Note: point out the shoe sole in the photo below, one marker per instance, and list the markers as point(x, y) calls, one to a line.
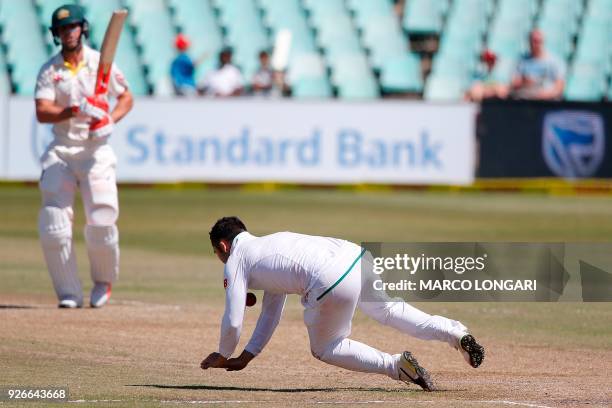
point(60, 306)
point(475, 350)
point(424, 380)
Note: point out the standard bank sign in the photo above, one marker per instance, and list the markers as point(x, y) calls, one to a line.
point(254, 141)
point(573, 143)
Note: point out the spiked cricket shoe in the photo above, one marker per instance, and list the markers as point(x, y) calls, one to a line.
point(411, 372)
point(473, 352)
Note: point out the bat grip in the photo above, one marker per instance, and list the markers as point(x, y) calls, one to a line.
point(102, 82)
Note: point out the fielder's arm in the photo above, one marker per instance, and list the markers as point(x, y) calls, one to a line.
point(235, 292)
point(271, 311)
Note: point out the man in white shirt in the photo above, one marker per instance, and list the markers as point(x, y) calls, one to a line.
point(326, 273)
point(226, 80)
point(79, 156)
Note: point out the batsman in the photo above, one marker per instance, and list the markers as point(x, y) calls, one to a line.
point(326, 273)
point(79, 157)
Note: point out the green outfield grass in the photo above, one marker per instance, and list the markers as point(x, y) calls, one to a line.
point(169, 298)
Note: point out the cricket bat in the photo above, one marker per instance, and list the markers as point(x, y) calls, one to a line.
point(107, 52)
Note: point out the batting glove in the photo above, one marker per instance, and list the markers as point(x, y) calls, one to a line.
point(94, 107)
point(101, 128)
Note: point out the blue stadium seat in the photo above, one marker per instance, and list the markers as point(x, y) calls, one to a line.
point(401, 74)
point(244, 32)
point(443, 89)
point(383, 38)
point(353, 77)
point(325, 10)
point(288, 14)
point(154, 34)
point(307, 65)
point(424, 16)
point(584, 88)
point(504, 69)
point(453, 66)
point(25, 44)
point(196, 19)
point(365, 11)
point(5, 82)
point(307, 88)
point(600, 10)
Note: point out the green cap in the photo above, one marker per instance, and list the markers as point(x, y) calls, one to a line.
point(67, 14)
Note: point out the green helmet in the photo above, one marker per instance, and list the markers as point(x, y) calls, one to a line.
point(65, 15)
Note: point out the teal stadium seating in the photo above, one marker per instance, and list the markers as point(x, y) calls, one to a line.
point(308, 77)
point(127, 58)
point(343, 48)
point(5, 84)
point(244, 32)
point(425, 16)
point(155, 36)
point(24, 42)
point(196, 19)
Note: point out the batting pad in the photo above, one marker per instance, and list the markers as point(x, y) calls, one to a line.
point(55, 230)
point(103, 251)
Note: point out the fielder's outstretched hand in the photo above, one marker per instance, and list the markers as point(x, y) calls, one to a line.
point(240, 362)
point(214, 360)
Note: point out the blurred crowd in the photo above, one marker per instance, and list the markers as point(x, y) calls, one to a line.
point(537, 76)
point(226, 80)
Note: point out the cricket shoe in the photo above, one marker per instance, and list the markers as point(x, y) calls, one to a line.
point(411, 372)
point(473, 352)
point(100, 294)
point(69, 303)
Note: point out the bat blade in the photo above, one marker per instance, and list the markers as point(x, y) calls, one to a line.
point(108, 49)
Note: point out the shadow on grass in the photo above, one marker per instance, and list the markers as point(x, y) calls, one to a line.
point(261, 389)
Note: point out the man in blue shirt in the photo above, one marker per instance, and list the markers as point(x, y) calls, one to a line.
point(183, 69)
point(538, 74)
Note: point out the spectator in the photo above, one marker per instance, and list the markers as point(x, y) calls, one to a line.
point(484, 85)
point(226, 80)
point(262, 79)
point(538, 74)
point(183, 68)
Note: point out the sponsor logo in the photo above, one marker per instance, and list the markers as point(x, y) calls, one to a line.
point(63, 13)
point(573, 143)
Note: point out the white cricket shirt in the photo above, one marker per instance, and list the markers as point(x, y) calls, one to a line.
point(65, 85)
point(223, 81)
point(279, 264)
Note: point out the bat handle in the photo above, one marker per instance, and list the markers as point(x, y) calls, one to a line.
point(102, 82)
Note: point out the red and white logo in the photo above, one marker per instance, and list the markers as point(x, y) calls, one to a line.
point(225, 283)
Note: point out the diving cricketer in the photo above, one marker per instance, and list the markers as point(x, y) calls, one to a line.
point(79, 156)
point(326, 273)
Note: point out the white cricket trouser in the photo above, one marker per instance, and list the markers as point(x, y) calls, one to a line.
point(329, 321)
point(92, 169)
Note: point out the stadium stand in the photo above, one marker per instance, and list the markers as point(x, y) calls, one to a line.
point(344, 48)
